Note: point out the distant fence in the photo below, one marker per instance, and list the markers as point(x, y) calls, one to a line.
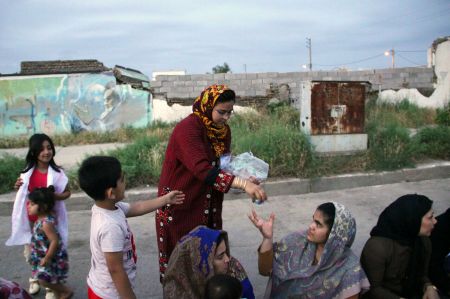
point(261, 87)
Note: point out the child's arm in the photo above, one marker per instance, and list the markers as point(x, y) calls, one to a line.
point(114, 262)
point(18, 183)
point(52, 236)
point(149, 205)
point(64, 195)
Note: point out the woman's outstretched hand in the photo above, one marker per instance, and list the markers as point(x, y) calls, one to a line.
point(264, 226)
point(254, 180)
point(255, 191)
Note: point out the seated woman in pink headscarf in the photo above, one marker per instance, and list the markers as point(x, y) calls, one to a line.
point(316, 263)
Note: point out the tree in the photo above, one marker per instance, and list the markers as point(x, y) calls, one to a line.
point(221, 68)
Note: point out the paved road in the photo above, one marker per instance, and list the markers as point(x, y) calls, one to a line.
point(292, 211)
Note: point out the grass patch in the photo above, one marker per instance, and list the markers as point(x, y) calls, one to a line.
point(390, 147)
point(338, 164)
point(403, 114)
point(443, 116)
point(274, 137)
point(434, 142)
point(10, 168)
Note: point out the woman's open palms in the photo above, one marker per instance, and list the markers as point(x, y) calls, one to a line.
point(264, 226)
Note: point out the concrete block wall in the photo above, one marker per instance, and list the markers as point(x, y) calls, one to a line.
point(258, 87)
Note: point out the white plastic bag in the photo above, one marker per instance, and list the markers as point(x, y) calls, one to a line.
point(246, 165)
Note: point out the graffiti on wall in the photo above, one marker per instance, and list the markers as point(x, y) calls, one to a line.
point(58, 104)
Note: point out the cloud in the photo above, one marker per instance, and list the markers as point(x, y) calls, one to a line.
point(196, 35)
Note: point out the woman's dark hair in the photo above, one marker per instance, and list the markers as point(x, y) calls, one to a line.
point(222, 286)
point(329, 211)
point(35, 148)
point(227, 96)
point(222, 237)
point(44, 197)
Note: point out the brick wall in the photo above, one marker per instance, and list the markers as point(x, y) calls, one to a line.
point(260, 87)
point(61, 67)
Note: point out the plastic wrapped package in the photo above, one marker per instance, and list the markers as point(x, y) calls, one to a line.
point(245, 165)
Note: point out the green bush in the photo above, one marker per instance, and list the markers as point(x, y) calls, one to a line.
point(390, 147)
point(435, 142)
point(443, 116)
point(275, 138)
point(142, 160)
point(10, 168)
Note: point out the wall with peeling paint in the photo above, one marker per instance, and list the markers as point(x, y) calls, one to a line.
point(70, 103)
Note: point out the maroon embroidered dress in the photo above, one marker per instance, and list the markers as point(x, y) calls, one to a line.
point(191, 166)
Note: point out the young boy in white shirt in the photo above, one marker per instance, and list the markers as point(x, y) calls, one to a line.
point(113, 262)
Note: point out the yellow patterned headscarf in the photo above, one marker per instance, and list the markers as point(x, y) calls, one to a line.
point(202, 107)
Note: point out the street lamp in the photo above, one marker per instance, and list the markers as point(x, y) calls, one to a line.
point(391, 53)
point(308, 46)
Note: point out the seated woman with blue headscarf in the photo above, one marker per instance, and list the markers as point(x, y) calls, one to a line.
point(198, 256)
point(313, 263)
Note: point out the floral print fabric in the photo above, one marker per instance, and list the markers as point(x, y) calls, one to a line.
point(57, 270)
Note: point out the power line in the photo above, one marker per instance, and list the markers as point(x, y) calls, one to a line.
point(410, 61)
point(411, 51)
point(352, 62)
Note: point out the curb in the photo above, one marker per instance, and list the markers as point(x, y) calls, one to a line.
point(290, 186)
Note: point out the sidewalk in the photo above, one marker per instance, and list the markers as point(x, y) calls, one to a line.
point(68, 156)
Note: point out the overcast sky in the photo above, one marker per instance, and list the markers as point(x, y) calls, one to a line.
point(257, 35)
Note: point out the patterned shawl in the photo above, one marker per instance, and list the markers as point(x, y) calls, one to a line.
point(338, 274)
point(202, 107)
point(191, 265)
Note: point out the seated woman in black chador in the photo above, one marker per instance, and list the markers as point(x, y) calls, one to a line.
point(397, 254)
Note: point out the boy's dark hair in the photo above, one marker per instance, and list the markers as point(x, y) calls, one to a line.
point(227, 96)
point(222, 286)
point(97, 174)
point(44, 197)
point(35, 148)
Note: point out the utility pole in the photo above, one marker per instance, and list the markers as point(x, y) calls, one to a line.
point(308, 45)
point(391, 53)
point(393, 58)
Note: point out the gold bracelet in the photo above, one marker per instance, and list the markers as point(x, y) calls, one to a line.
point(238, 182)
point(245, 185)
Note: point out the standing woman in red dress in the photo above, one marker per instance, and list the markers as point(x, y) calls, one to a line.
point(192, 165)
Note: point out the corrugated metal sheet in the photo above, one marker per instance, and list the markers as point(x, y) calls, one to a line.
point(337, 107)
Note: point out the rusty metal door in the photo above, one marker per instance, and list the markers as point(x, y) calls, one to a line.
point(337, 107)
